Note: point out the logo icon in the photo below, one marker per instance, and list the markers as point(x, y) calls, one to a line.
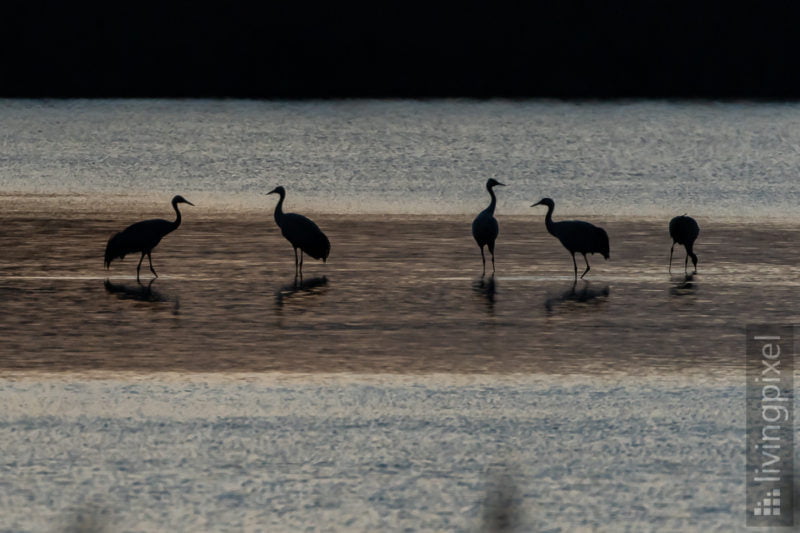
point(769, 506)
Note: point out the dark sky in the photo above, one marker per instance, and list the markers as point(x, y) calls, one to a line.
point(547, 49)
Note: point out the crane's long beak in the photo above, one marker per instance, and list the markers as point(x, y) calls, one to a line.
point(501, 184)
point(188, 202)
point(273, 191)
point(537, 203)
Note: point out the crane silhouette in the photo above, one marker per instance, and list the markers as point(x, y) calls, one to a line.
point(684, 230)
point(301, 232)
point(484, 227)
point(576, 236)
point(143, 237)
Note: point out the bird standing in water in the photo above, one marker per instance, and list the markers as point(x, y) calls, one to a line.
point(484, 227)
point(301, 232)
point(576, 236)
point(143, 237)
point(684, 230)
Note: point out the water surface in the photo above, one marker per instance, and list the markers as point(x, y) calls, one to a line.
point(639, 158)
point(399, 294)
point(390, 388)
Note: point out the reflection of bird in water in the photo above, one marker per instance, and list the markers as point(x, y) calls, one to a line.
point(684, 287)
point(684, 230)
point(298, 287)
point(301, 232)
point(484, 227)
point(144, 293)
point(576, 236)
point(486, 288)
point(584, 295)
point(143, 237)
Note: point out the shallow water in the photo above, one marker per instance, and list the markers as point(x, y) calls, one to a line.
point(370, 453)
point(391, 387)
point(639, 158)
point(399, 294)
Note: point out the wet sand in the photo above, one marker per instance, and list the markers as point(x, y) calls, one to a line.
point(400, 294)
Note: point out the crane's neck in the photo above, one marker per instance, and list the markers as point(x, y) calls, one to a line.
point(493, 203)
point(548, 218)
point(178, 215)
point(279, 209)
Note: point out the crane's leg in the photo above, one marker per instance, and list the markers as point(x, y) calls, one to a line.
point(150, 259)
point(670, 257)
point(574, 264)
point(295, 262)
point(686, 263)
point(139, 266)
point(491, 249)
point(690, 253)
point(301, 265)
point(483, 258)
point(587, 266)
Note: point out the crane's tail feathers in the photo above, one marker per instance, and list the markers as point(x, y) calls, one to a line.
point(602, 241)
point(115, 249)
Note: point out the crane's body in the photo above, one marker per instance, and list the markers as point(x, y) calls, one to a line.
point(577, 236)
point(301, 232)
point(684, 231)
point(142, 237)
point(485, 228)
